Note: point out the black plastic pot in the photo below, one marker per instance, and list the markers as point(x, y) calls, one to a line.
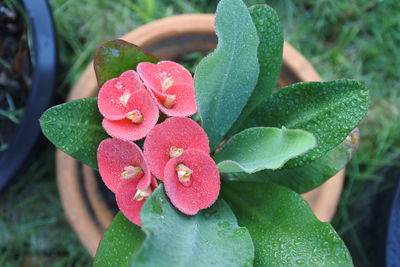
point(374, 237)
point(41, 92)
point(393, 233)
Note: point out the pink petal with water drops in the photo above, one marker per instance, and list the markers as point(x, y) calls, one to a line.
point(125, 128)
point(116, 157)
point(154, 75)
point(172, 86)
point(115, 94)
point(127, 204)
point(179, 134)
point(202, 187)
point(127, 201)
point(184, 101)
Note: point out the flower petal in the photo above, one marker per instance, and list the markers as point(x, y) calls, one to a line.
point(204, 182)
point(154, 75)
point(126, 202)
point(114, 155)
point(167, 78)
point(125, 197)
point(125, 128)
point(115, 93)
point(176, 132)
point(185, 101)
point(154, 182)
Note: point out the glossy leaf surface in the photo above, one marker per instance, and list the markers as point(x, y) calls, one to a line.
point(260, 148)
point(119, 243)
point(285, 231)
point(305, 178)
point(117, 56)
point(225, 79)
point(270, 52)
point(210, 238)
point(329, 110)
point(75, 128)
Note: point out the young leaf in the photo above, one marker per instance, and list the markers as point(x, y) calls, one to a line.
point(285, 232)
point(75, 128)
point(210, 238)
point(305, 178)
point(117, 56)
point(225, 79)
point(119, 243)
point(329, 110)
point(260, 148)
point(269, 57)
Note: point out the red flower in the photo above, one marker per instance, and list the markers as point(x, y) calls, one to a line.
point(124, 170)
point(170, 139)
point(192, 181)
point(130, 200)
point(114, 95)
point(120, 160)
point(138, 121)
point(172, 86)
point(176, 150)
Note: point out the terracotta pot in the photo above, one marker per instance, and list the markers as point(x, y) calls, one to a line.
point(84, 200)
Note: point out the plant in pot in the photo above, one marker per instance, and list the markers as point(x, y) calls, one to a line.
point(208, 171)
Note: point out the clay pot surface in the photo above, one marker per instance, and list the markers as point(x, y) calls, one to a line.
point(84, 201)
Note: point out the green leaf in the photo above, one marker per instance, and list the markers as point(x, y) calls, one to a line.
point(209, 238)
point(117, 56)
point(119, 243)
point(303, 179)
point(75, 128)
point(285, 232)
point(225, 79)
point(260, 148)
point(270, 52)
point(329, 110)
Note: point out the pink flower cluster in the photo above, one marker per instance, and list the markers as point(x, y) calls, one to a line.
point(176, 151)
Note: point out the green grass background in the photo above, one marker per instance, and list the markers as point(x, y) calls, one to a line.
point(342, 38)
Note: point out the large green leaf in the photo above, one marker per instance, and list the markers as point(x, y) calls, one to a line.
point(225, 79)
point(303, 179)
point(329, 110)
point(75, 128)
point(260, 148)
point(210, 238)
point(285, 232)
point(119, 243)
point(117, 56)
point(269, 57)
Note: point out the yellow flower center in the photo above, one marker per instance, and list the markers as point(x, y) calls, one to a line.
point(175, 152)
point(135, 116)
point(142, 194)
point(183, 172)
point(132, 172)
